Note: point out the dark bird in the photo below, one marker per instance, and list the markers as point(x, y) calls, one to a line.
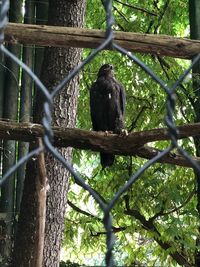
point(107, 105)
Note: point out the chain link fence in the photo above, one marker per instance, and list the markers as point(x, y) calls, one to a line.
point(47, 119)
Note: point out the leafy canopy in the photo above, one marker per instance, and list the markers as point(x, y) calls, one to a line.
point(164, 196)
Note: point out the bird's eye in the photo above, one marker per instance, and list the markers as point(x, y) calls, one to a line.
point(111, 67)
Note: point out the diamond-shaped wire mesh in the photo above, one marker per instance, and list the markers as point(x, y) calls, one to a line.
point(48, 105)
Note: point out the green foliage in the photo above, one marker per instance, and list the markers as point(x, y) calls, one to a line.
point(165, 194)
point(68, 264)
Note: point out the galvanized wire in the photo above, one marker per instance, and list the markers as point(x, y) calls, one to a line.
point(47, 119)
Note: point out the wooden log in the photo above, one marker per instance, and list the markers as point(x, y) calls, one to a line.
point(134, 144)
point(55, 36)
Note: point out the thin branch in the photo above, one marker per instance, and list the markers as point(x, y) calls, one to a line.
point(120, 13)
point(74, 207)
point(115, 229)
point(134, 122)
point(182, 106)
point(185, 91)
point(161, 16)
point(137, 8)
point(120, 26)
point(162, 213)
point(163, 64)
point(149, 226)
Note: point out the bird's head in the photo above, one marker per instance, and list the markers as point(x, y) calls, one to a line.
point(106, 69)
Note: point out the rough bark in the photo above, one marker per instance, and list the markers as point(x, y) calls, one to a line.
point(56, 65)
point(43, 35)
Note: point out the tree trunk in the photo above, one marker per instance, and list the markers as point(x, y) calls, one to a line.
point(56, 65)
point(194, 13)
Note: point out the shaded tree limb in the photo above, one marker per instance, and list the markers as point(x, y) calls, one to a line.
point(134, 144)
point(149, 226)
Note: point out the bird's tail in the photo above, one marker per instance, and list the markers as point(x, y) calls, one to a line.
point(107, 159)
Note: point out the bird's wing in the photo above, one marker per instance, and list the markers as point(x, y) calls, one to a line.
point(93, 106)
point(122, 98)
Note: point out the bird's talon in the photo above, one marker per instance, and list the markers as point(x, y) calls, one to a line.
point(123, 132)
point(108, 132)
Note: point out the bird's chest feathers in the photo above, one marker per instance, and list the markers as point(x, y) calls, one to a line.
point(109, 95)
point(107, 91)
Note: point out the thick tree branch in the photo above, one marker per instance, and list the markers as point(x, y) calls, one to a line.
point(55, 36)
point(134, 144)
